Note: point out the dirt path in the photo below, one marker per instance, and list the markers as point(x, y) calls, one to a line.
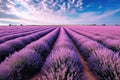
point(88, 73)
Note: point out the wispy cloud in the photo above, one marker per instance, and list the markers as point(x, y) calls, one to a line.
point(4, 15)
point(39, 11)
point(92, 17)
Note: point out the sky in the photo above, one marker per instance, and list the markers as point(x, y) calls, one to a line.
point(59, 12)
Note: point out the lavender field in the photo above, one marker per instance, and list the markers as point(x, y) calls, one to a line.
point(60, 53)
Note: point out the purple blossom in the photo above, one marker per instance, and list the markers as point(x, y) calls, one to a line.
point(17, 44)
point(105, 64)
point(20, 65)
point(102, 61)
point(27, 61)
point(63, 62)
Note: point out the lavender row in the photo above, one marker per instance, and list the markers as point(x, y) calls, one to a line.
point(96, 33)
point(29, 60)
point(63, 63)
point(13, 36)
point(17, 44)
point(103, 31)
point(18, 31)
point(113, 44)
point(12, 29)
point(102, 61)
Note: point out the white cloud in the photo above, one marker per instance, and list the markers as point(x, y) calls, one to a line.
point(37, 15)
point(47, 18)
point(3, 24)
point(93, 17)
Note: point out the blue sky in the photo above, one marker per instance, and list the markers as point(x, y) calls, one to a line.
point(45, 12)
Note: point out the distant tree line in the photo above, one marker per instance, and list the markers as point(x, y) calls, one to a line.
point(15, 25)
point(61, 25)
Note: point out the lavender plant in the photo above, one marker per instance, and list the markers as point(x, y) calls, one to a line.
point(105, 64)
point(109, 41)
point(63, 62)
point(11, 46)
point(27, 61)
point(20, 65)
point(113, 44)
point(102, 61)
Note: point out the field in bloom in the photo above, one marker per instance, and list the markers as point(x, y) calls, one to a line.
point(60, 53)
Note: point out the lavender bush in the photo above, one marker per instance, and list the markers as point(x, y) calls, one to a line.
point(41, 48)
point(113, 44)
point(5, 50)
point(89, 46)
point(102, 61)
point(109, 41)
point(105, 64)
point(8, 31)
point(20, 65)
point(27, 61)
point(27, 52)
point(11, 46)
point(63, 62)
